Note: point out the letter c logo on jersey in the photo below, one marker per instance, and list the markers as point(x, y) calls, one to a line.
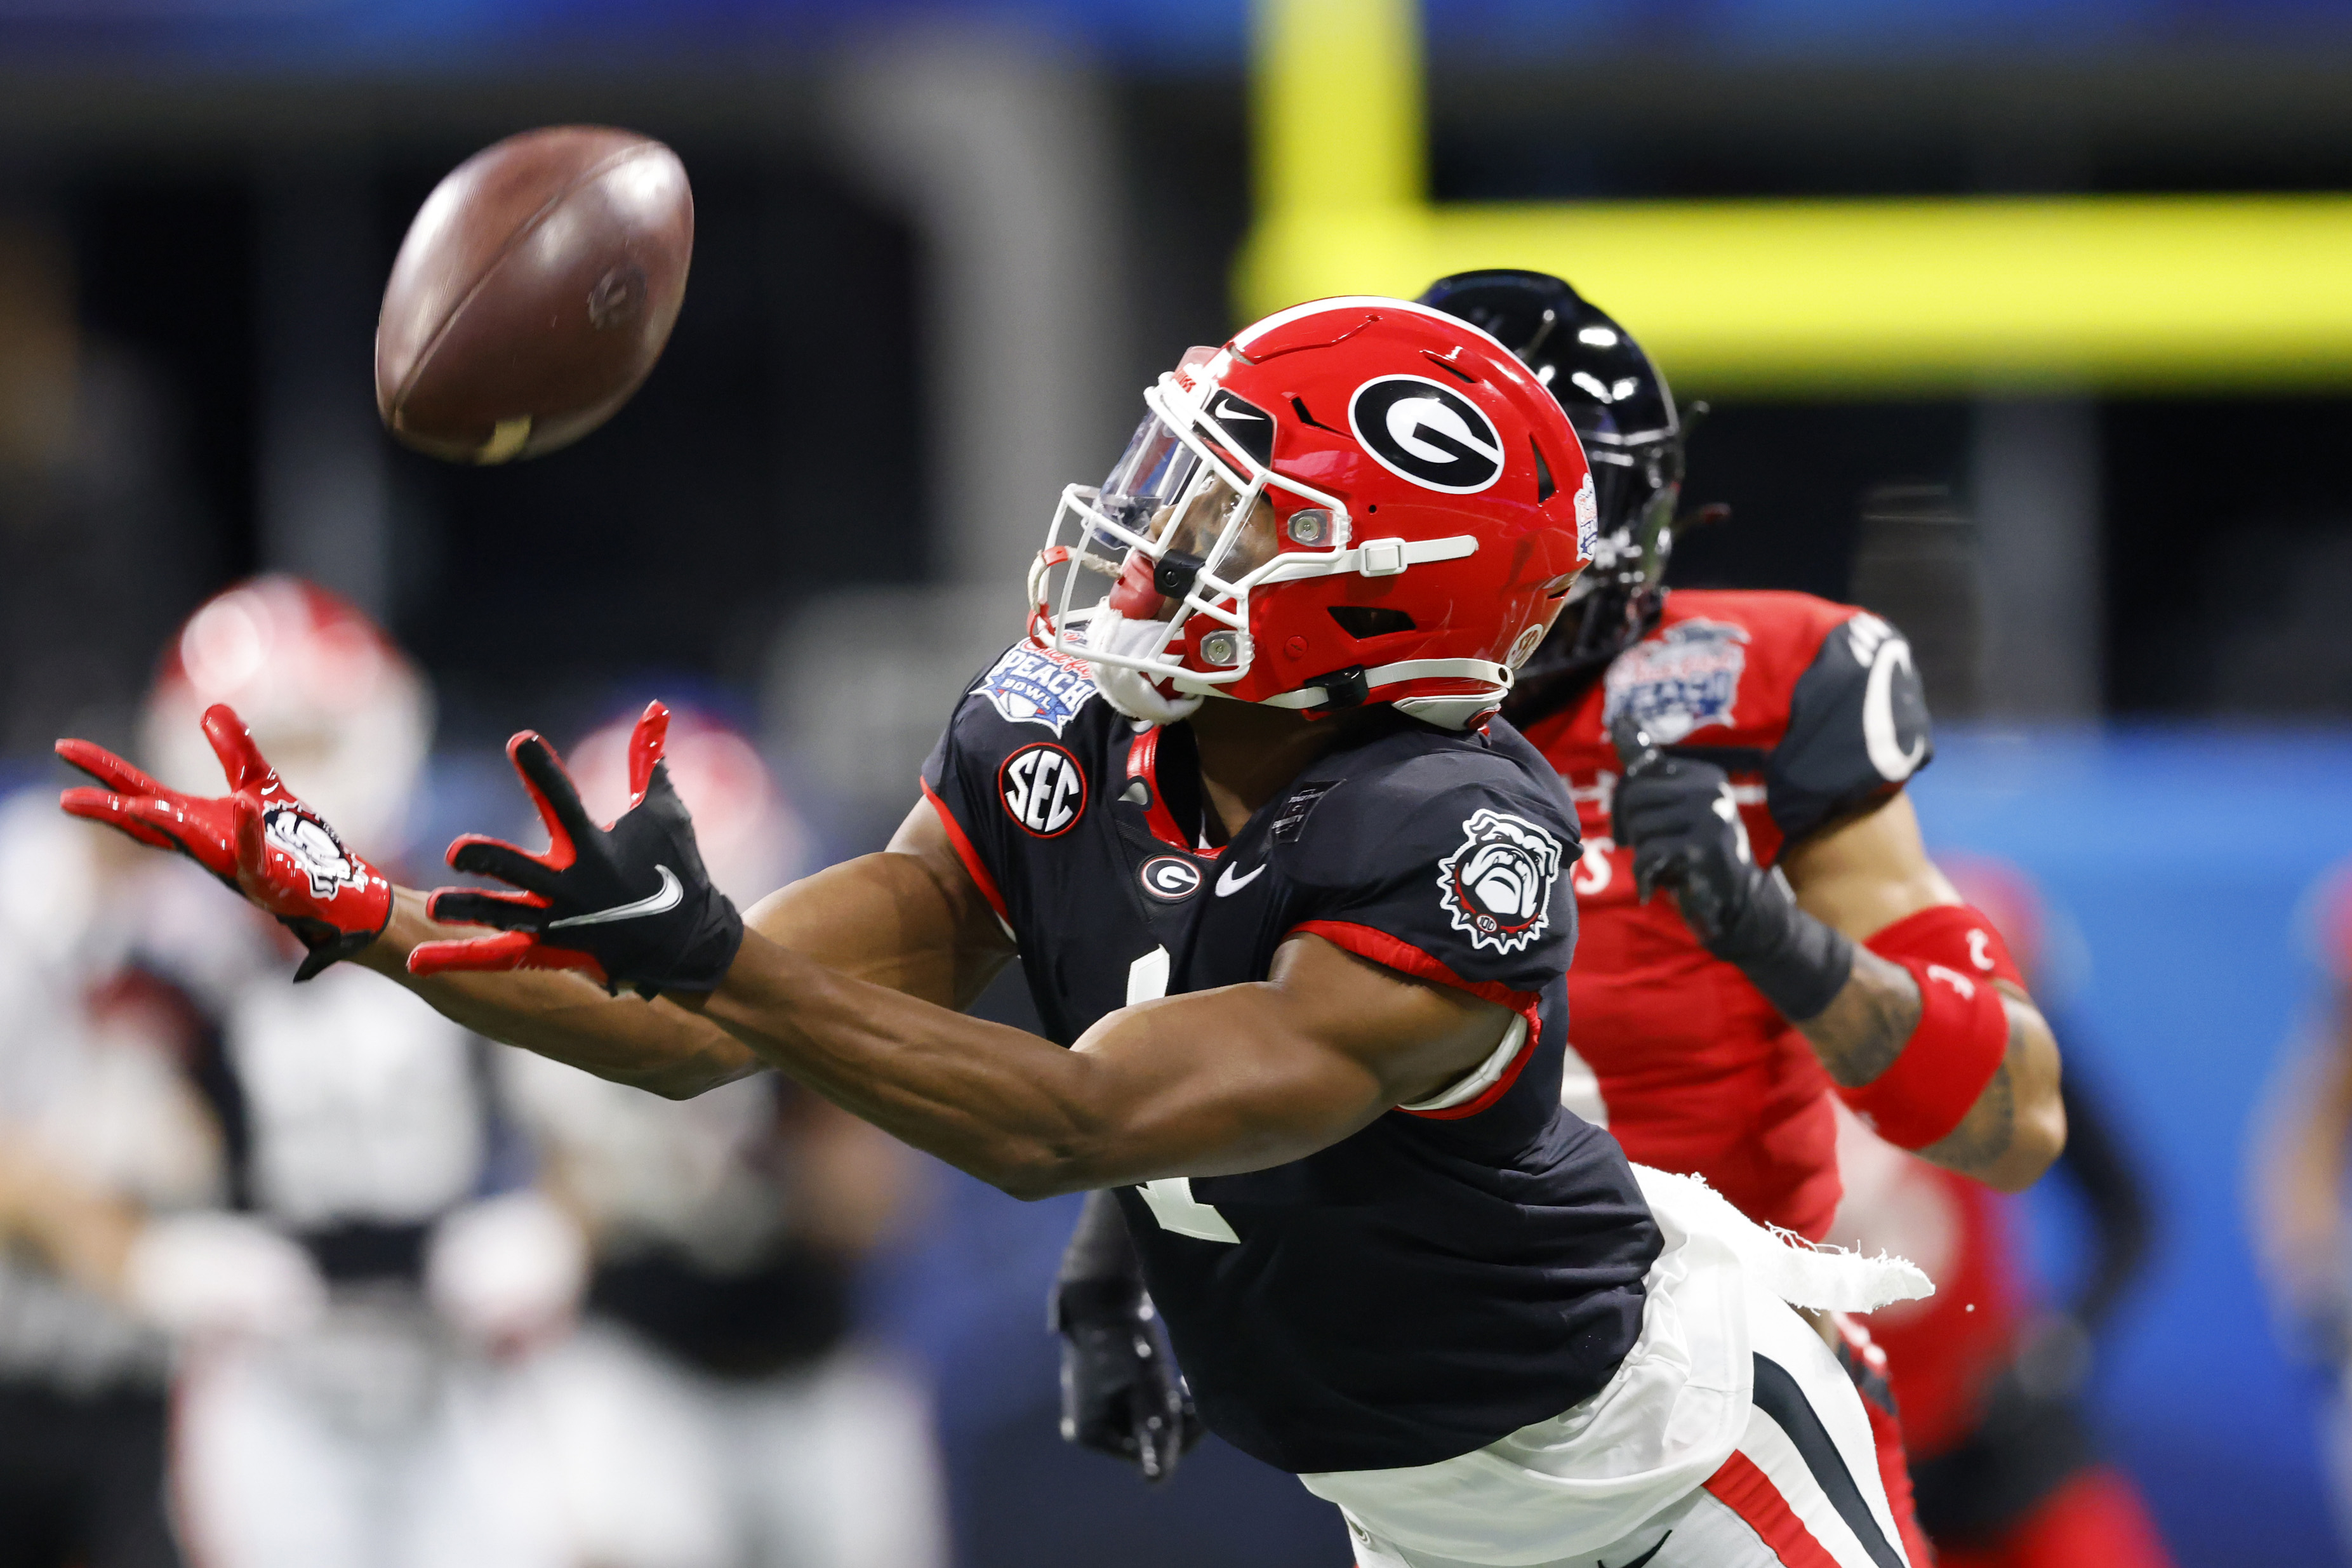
point(1498, 885)
point(1428, 433)
point(1044, 789)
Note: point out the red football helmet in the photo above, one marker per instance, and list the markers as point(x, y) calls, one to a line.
point(331, 700)
point(1356, 499)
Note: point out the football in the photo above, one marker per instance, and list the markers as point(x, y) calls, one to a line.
point(533, 293)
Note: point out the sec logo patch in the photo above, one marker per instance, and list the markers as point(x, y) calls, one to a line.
point(1171, 879)
point(1044, 789)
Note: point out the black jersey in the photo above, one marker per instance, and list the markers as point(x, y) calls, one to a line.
point(1447, 1275)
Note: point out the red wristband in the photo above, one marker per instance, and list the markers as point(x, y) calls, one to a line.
point(1959, 936)
point(1963, 1035)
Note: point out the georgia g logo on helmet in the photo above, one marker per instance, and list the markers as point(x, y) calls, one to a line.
point(1428, 433)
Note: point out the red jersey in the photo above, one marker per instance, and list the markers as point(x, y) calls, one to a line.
point(1813, 709)
point(1943, 1349)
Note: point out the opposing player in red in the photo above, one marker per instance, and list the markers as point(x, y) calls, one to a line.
point(1745, 752)
point(1288, 898)
point(2008, 1469)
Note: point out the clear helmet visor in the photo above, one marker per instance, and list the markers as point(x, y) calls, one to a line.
point(1169, 524)
point(1149, 575)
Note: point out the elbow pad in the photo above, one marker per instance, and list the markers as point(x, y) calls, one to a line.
point(1954, 955)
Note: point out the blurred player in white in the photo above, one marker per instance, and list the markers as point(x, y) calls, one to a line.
point(101, 1136)
point(356, 1126)
point(715, 1409)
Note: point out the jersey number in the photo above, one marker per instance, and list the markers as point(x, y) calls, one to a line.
point(1170, 1197)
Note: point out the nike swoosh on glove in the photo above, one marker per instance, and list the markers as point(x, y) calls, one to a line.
point(259, 839)
point(1121, 1394)
point(627, 903)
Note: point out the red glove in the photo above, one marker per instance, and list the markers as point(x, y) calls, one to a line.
point(259, 839)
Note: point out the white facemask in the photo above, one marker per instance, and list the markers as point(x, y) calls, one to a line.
point(1131, 691)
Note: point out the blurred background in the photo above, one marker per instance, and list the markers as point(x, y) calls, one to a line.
point(2027, 326)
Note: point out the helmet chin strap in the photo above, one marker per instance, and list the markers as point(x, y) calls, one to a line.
point(1138, 695)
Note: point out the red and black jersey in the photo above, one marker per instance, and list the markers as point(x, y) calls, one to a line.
point(1454, 1270)
point(1813, 709)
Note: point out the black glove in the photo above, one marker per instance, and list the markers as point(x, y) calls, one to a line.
point(1684, 825)
point(1121, 1394)
point(629, 903)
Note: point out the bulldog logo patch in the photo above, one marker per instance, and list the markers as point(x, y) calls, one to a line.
point(1685, 678)
point(312, 845)
point(1496, 888)
point(1036, 686)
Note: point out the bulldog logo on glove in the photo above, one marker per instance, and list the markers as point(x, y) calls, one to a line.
point(296, 830)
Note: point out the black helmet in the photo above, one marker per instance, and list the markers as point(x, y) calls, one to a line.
point(1624, 414)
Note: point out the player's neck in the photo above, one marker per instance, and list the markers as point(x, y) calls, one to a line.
point(1250, 752)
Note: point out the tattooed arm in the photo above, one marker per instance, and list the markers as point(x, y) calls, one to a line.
point(1943, 1055)
point(1861, 876)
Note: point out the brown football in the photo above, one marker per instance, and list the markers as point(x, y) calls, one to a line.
point(533, 293)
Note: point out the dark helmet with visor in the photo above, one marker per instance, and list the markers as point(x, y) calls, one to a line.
point(1624, 415)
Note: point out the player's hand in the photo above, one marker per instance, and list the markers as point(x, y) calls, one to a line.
point(1121, 1394)
point(259, 839)
point(627, 903)
point(1682, 823)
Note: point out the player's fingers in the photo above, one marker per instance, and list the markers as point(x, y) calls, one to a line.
point(252, 847)
point(107, 768)
point(1635, 748)
point(503, 951)
point(1156, 1432)
point(1641, 820)
point(207, 840)
point(112, 810)
point(646, 743)
point(554, 794)
point(477, 855)
point(474, 907)
point(233, 743)
point(1655, 865)
point(510, 949)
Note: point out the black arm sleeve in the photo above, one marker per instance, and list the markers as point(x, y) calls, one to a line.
point(1100, 1261)
point(1857, 730)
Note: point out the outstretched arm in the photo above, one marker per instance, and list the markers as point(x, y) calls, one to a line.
point(908, 919)
point(1206, 1084)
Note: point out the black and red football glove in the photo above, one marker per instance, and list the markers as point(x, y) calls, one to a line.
point(1121, 1394)
point(1682, 823)
point(259, 839)
point(627, 903)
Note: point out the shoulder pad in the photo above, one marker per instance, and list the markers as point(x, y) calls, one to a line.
point(1400, 819)
point(1858, 727)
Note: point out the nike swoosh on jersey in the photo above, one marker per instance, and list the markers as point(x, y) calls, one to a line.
point(1228, 884)
point(1645, 1556)
point(669, 897)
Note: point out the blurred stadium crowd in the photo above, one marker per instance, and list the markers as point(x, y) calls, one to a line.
point(420, 1300)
